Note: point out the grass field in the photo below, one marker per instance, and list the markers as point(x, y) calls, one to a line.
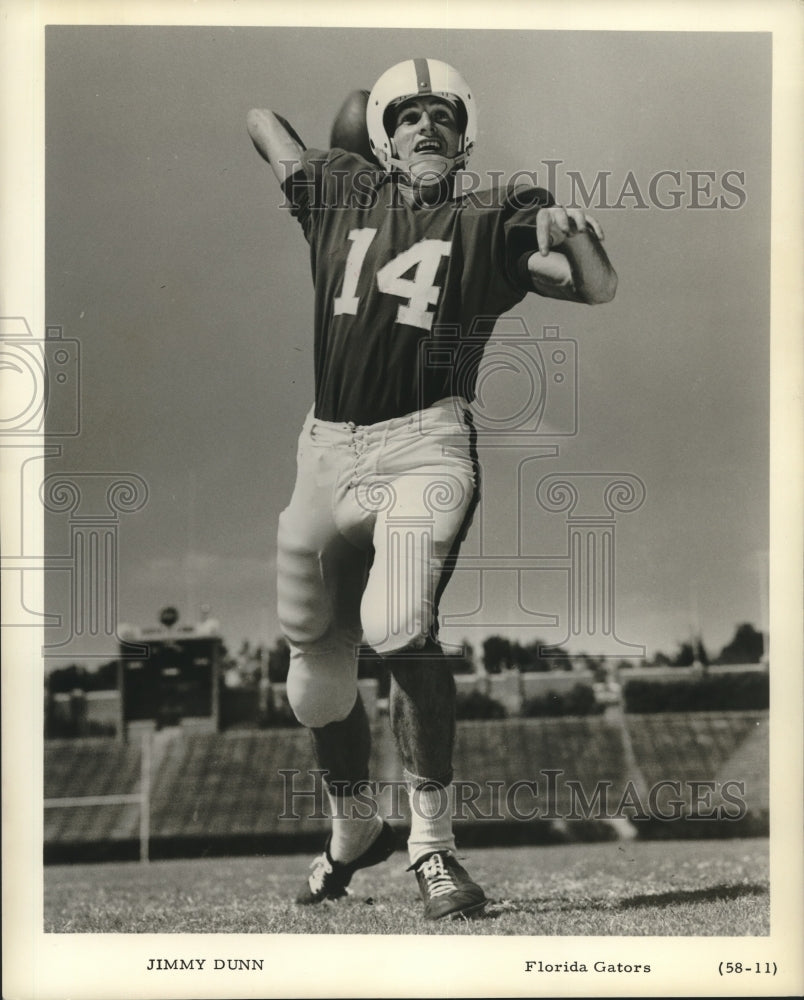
point(704, 887)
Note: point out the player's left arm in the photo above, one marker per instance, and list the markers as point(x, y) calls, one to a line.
point(570, 262)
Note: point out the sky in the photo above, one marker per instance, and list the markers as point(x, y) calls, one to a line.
point(188, 290)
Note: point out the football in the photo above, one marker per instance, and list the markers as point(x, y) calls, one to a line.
point(349, 130)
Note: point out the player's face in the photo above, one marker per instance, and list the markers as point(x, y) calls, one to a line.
point(426, 125)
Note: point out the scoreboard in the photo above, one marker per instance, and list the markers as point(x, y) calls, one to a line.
point(176, 680)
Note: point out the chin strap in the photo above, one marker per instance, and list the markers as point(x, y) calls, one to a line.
point(435, 169)
point(427, 170)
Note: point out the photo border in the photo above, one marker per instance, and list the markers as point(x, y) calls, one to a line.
point(87, 966)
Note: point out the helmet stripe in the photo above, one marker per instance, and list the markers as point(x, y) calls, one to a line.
point(422, 76)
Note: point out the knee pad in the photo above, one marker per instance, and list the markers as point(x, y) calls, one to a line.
point(304, 607)
point(322, 681)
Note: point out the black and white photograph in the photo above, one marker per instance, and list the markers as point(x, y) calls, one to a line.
point(401, 452)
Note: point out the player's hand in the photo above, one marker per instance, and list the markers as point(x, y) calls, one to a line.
point(556, 224)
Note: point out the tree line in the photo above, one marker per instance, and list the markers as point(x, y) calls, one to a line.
point(252, 663)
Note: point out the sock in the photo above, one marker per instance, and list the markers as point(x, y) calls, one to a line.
point(352, 832)
point(430, 821)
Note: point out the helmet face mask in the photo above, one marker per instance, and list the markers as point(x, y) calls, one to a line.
point(420, 78)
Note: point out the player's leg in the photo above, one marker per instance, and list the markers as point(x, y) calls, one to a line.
point(320, 580)
point(409, 579)
point(322, 679)
point(422, 708)
point(422, 712)
point(423, 722)
point(342, 746)
point(416, 542)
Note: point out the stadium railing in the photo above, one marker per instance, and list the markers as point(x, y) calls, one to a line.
point(141, 798)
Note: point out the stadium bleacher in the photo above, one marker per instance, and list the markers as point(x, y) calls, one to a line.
point(222, 792)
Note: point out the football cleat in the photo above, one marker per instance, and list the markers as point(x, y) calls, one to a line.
point(329, 879)
point(446, 888)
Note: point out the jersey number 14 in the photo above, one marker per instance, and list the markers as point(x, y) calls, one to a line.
point(418, 292)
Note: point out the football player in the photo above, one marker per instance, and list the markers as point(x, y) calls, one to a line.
point(387, 474)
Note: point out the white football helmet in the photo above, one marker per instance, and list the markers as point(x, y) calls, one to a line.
point(412, 78)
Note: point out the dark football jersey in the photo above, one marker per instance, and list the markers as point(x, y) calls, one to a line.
point(405, 295)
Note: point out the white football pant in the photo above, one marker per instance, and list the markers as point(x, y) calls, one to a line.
point(367, 545)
